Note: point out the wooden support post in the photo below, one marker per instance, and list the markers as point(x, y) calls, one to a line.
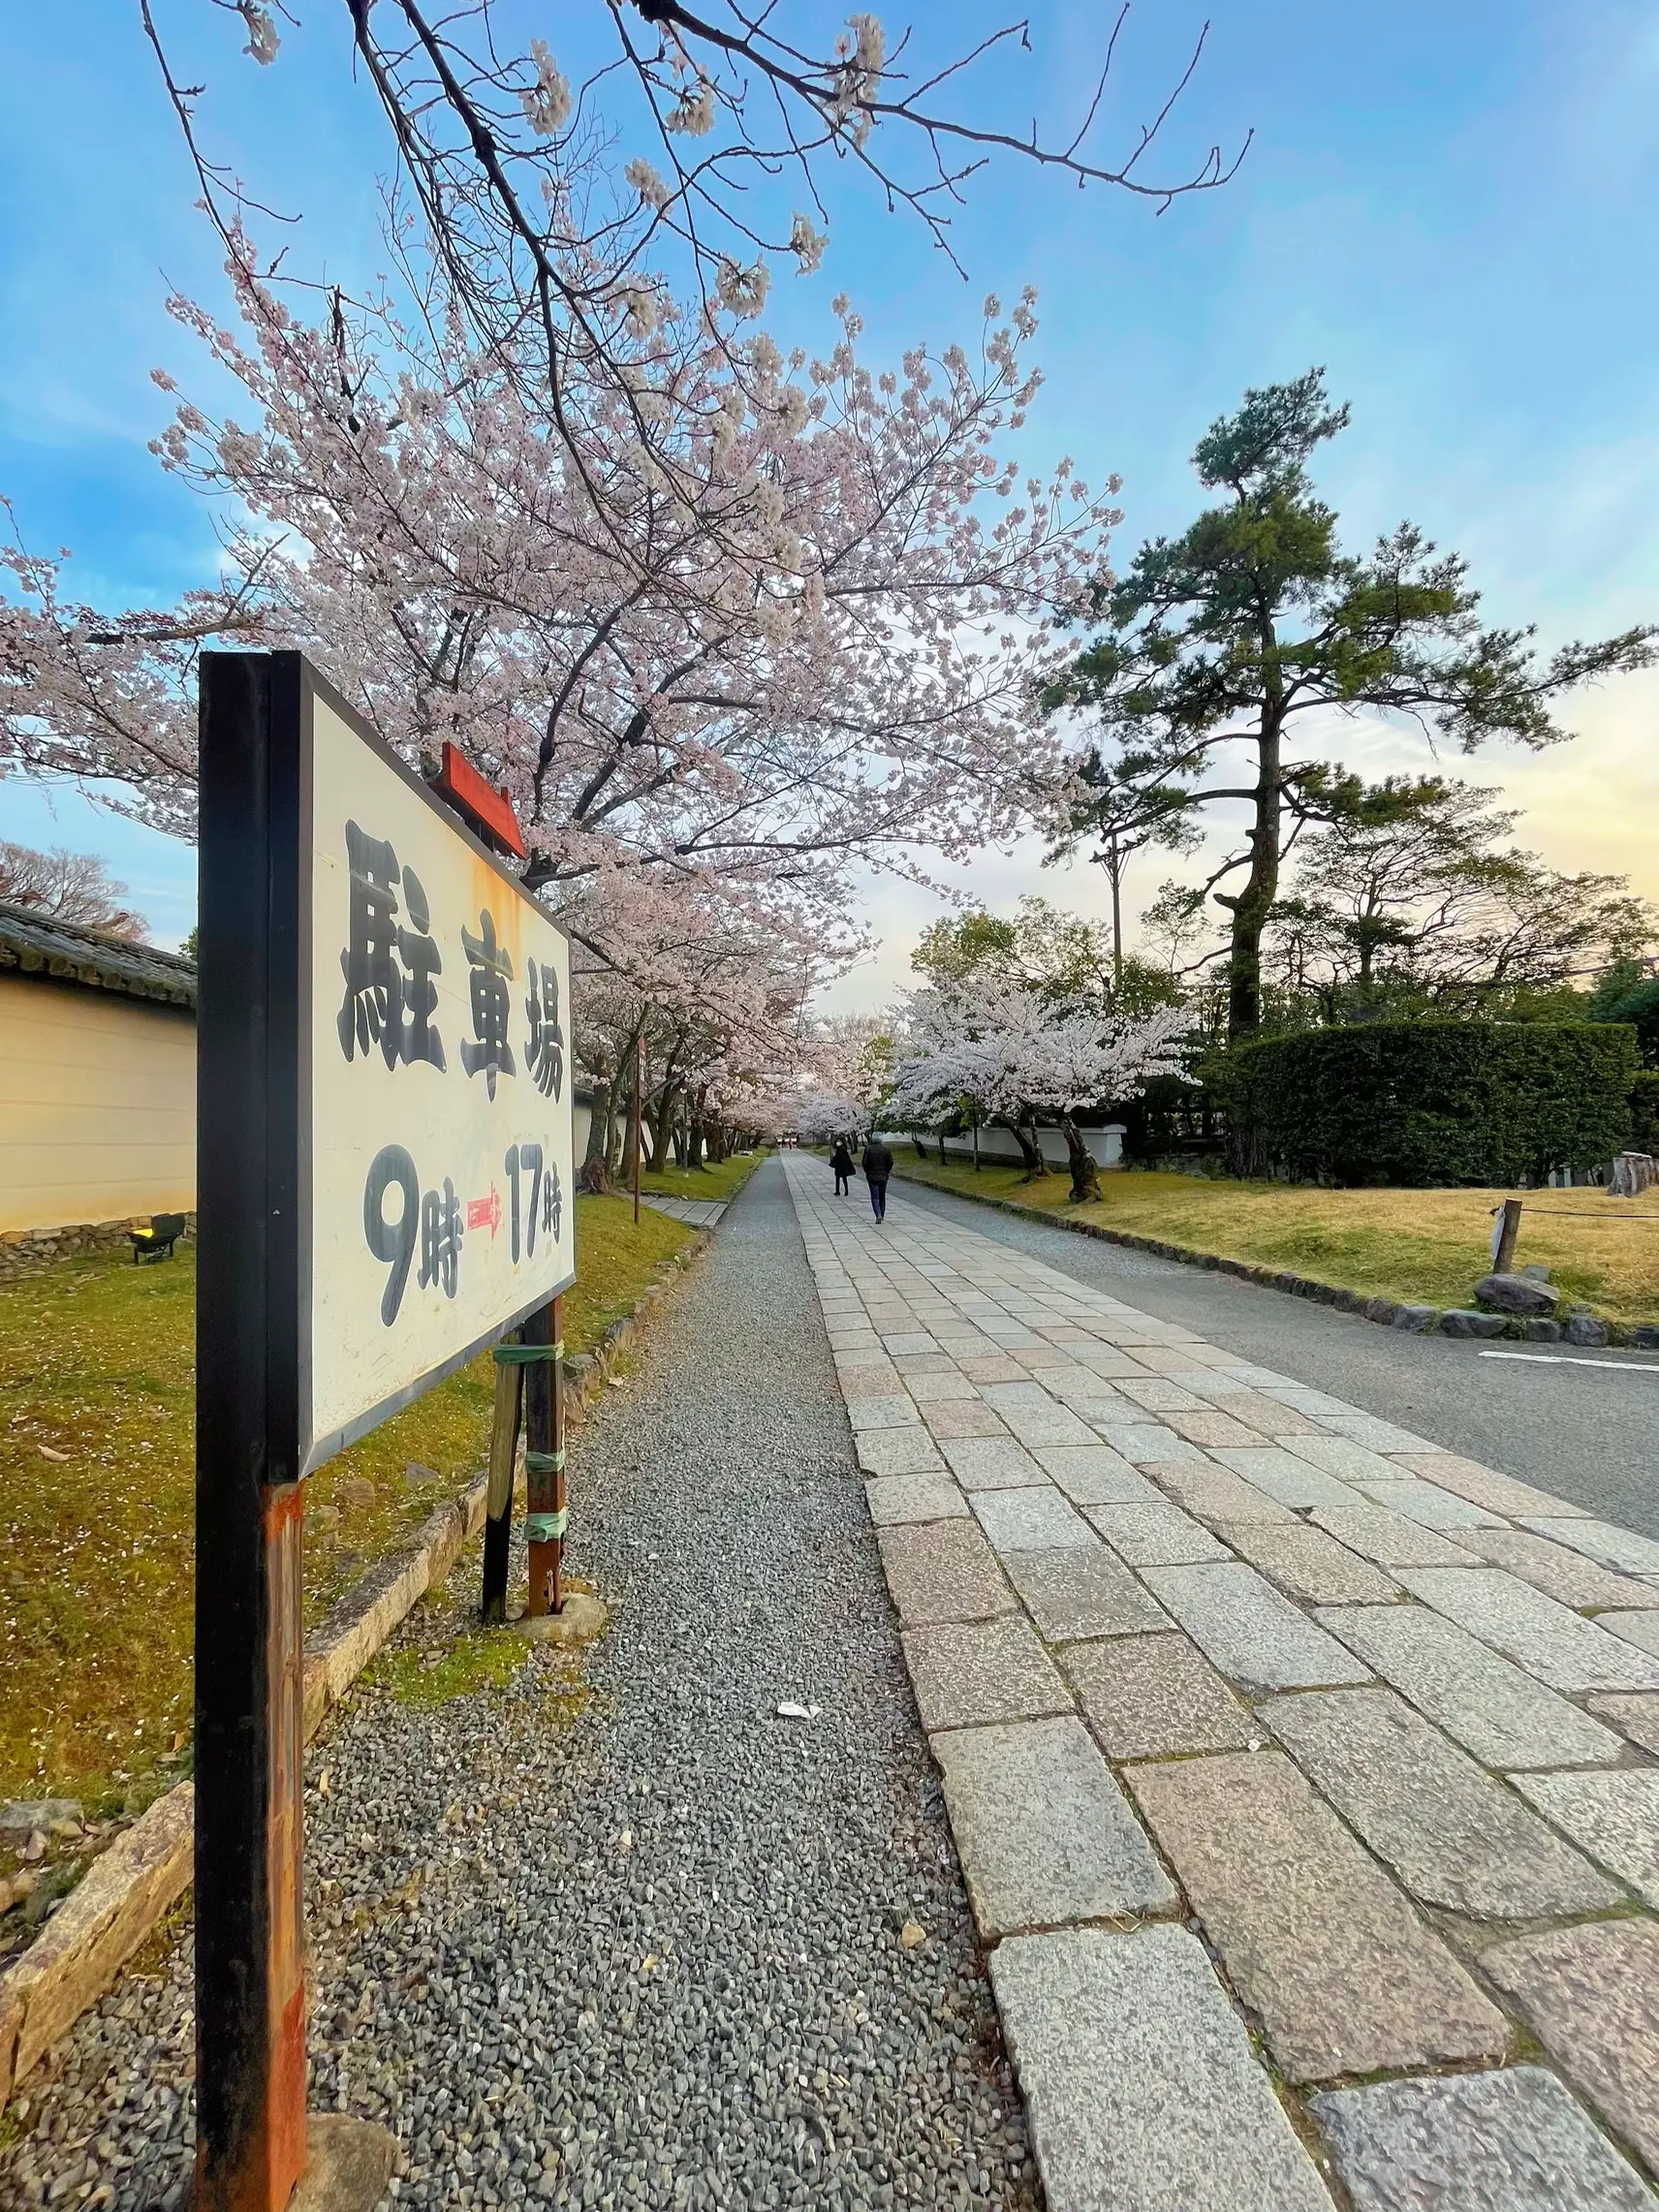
point(1509, 1229)
point(498, 1503)
point(639, 1087)
point(545, 1461)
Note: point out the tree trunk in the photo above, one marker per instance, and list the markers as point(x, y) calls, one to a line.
point(1252, 906)
point(976, 1147)
point(943, 1155)
point(596, 1166)
point(1030, 1151)
point(920, 1148)
point(1085, 1170)
point(1115, 875)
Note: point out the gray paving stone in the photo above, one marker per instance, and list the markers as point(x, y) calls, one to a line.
point(1156, 1536)
point(1567, 1576)
point(1315, 1937)
point(989, 1367)
point(934, 1390)
point(1094, 1474)
point(1281, 1474)
point(1073, 1592)
point(1251, 1633)
point(1496, 1709)
point(898, 1451)
point(896, 1499)
point(1144, 1441)
point(868, 1377)
point(1143, 2091)
point(1557, 1645)
point(1044, 1834)
point(1390, 1538)
point(1635, 1713)
point(1614, 1816)
point(1640, 1629)
point(1216, 1494)
point(1621, 1548)
point(1376, 1435)
point(990, 1463)
point(1455, 1836)
point(961, 1417)
point(968, 1676)
point(1514, 2142)
point(1159, 1395)
point(1031, 1520)
point(880, 1411)
point(909, 1340)
point(1308, 1564)
point(1429, 1508)
point(1213, 1429)
point(1152, 1696)
point(1591, 1997)
point(1482, 1485)
point(944, 1570)
point(1341, 1457)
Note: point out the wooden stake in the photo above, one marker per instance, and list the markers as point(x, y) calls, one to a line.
point(545, 1461)
point(1509, 1229)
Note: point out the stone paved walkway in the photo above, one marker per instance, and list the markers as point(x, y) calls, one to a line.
point(1302, 1773)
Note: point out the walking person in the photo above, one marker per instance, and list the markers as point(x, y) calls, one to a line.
point(841, 1159)
point(877, 1164)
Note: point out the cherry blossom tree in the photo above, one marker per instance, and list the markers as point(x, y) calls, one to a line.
point(1015, 1055)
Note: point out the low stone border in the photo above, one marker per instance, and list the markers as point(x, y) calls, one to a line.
point(26, 1251)
point(127, 1888)
point(1582, 1330)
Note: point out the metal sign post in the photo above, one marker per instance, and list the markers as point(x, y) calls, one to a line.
point(384, 1138)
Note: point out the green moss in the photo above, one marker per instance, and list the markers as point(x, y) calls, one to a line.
point(478, 1659)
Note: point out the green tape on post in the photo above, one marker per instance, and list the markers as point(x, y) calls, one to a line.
point(544, 1462)
point(525, 1355)
point(542, 1527)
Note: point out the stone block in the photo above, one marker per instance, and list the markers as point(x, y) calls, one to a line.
point(1469, 1321)
point(909, 1340)
point(991, 1463)
point(897, 1451)
point(1315, 1937)
point(1567, 1576)
point(1614, 1816)
point(99, 1926)
point(868, 1378)
point(1640, 1628)
point(1495, 1709)
point(1524, 1296)
point(1452, 1833)
point(943, 1571)
point(1144, 1441)
point(1158, 1394)
point(1030, 1414)
point(1044, 1834)
point(1153, 1697)
point(1213, 1429)
point(1156, 1536)
point(1075, 1593)
point(1031, 1519)
point(1143, 2091)
point(1591, 1997)
point(1341, 1457)
point(989, 1367)
point(1249, 1631)
point(1480, 1485)
point(1215, 1494)
point(1281, 1474)
point(897, 1498)
point(1604, 1542)
point(1308, 1564)
point(933, 1389)
point(1094, 1474)
point(885, 1412)
point(1388, 1538)
point(969, 1675)
point(1429, 1507)
point(1636, 1714)
point(1549, 1640)
point(1414, 1319)
point(1256, 1409)
point(1584, 1330)
point(1514, 2142)
point(347, 1638)
point(961, 1418)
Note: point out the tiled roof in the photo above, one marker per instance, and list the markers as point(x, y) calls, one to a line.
point(35, 944)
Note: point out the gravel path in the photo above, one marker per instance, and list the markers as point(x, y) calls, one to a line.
point(637, 1946)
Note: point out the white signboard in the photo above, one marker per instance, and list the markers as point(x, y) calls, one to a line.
point(435, 1137)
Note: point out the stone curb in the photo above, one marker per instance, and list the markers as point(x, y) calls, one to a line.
point(128, 1888)
point(1387, 1313)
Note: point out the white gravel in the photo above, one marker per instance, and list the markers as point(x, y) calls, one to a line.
point(488, 1882)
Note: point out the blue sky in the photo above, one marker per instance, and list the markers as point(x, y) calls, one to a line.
point(1450, 207)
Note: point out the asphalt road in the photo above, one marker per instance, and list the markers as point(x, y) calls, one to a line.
point(1586, 1432)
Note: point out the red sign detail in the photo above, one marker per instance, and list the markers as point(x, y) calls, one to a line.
point(485, 1213)
point(489, 811)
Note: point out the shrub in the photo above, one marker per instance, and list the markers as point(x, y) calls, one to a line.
point(1436, 1101)
point(1644, 1111)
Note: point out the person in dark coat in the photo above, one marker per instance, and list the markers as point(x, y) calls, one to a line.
point(877, 1164)
point(841, 1159)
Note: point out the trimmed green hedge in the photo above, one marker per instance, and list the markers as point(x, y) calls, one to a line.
point(1427, 1103)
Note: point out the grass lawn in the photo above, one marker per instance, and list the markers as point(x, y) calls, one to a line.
point(1427, 1245)
point(97, 1500)
point(722, 1179)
